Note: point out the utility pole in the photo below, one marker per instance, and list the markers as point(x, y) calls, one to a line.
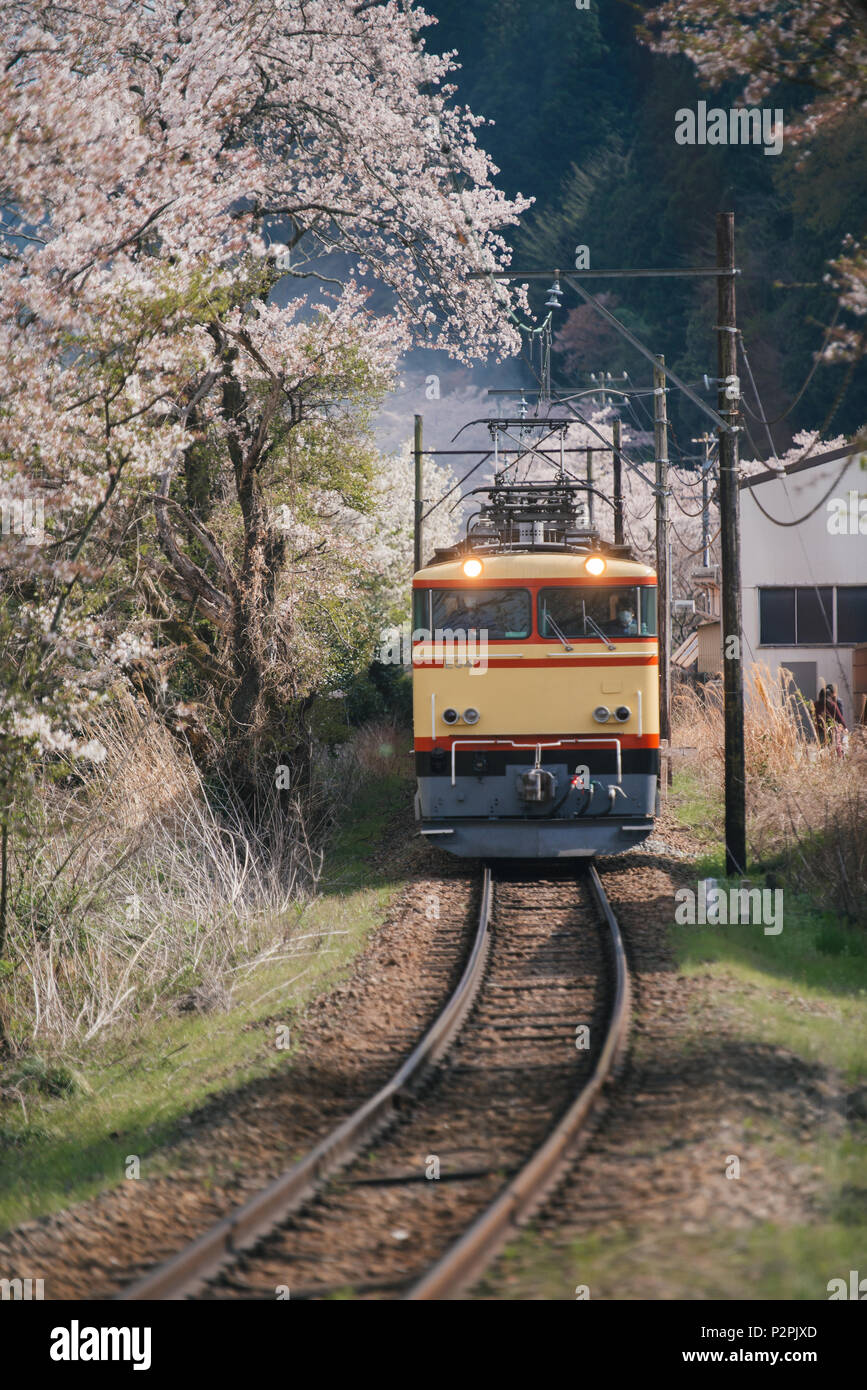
point(705, 440)
point(705, 514)
point(618, 482)
point(705, 510)
point(663, 569)
point(589, 485)
point(419, 498)
point(730, 548)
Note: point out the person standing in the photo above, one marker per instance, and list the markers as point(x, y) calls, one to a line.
point(830, 723)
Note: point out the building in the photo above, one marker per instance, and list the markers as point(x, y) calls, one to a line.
point(804, 578)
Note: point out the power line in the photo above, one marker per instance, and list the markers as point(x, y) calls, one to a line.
point(810, 374)
point(698, 548)
point(812, 510)
point(797, 523)
point(835, 405)
point(783, 474)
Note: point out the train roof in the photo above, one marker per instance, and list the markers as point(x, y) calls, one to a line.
point(534, 564)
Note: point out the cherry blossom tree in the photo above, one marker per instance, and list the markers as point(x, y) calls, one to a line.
point(149, 153)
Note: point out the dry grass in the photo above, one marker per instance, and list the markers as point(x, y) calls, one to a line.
point(806, 808)
point(141, 891)
point(378, 748)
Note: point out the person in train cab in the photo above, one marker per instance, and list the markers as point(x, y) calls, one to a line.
point(830, 724)
point(624, 625)
point(469, 612)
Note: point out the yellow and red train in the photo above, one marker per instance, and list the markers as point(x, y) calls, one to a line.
point(535, 686)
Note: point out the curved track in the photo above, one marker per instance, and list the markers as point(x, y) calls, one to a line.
point(414, 1192)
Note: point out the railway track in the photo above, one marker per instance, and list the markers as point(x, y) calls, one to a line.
point(412, 1195)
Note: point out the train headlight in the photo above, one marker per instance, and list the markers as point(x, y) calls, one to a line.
point(595, 565)
point(472, 568)
point(622, 713)
point(450, 716)
point(471, 716)
point(602, 714)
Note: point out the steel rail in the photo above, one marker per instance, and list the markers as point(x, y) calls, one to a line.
point(185, 1272)
point(469, 1255)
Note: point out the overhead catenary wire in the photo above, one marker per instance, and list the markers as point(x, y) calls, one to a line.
point(835, 405)
point(698, 548)
point(762, 416)
point(492, 275)
point(682, 509)
point(504, 298)
point(801, 519)
point(811, 373)
point(783, 474)
point(531, 330)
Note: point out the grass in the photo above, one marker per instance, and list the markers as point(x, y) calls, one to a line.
point(806, 809)
point(820, 954)
point(698, 808)
point(68, 1123)
point(803, 992)
point(762, 1262)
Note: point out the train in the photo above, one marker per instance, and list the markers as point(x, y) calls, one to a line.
point(535, 670)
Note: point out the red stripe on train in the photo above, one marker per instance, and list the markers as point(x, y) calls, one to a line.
point(565, 741)
point(624, 581)
point(528, 663)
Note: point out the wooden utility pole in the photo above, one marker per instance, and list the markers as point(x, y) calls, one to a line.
point(618, 482)
point(419, 496)
point(730, 549)
point(589, 485)
point(663, 569)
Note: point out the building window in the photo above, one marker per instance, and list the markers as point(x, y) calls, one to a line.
point(777, 617)
point(814, 617)
point(852, 614)
point(805, 617)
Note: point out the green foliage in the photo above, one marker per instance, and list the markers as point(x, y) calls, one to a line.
point(34, 1073)
point(61, 1145)
point(381, 692)
point(584, 122)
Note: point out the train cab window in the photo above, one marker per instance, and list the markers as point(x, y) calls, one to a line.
point(647, 599)
point(421, 618)
point(614, 611)
point(504, 614)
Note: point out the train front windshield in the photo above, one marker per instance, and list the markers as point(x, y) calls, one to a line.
point(504, 614)
point(614, 611)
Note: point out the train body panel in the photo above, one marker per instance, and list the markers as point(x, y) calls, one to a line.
point(513, 695)
point(536, 700)
point(533, 565)
point(539, 839)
